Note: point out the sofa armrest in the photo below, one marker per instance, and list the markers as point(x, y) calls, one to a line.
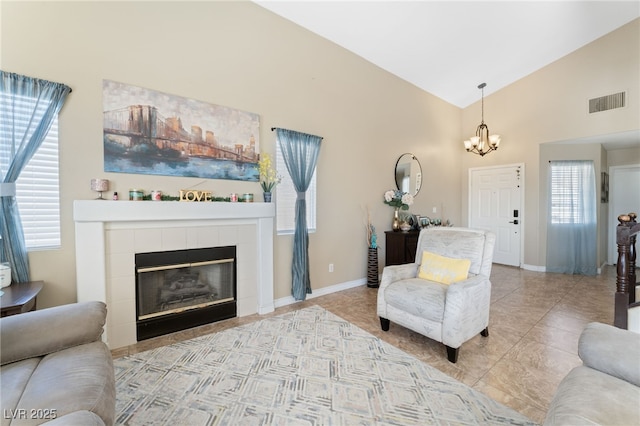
point(50, 330)
point(77, 418)
point(611, 350)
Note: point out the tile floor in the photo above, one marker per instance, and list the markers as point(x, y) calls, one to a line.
point(536, 319)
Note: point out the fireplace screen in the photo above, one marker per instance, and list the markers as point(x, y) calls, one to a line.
point(174, 286)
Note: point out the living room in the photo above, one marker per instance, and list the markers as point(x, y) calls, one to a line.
point(240, 55)
point(233, 54)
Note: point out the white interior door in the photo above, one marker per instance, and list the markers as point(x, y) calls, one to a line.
point(496, 204)
point(624, 197)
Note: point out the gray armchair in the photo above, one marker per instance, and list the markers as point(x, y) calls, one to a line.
point(448, 313)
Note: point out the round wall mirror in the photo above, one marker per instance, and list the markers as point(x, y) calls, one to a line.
point(408, 174)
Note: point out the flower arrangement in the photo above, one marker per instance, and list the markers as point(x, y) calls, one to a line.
point(398, 199)
point(268, 176)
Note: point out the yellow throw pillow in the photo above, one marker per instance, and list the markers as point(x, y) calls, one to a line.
point(442, 269)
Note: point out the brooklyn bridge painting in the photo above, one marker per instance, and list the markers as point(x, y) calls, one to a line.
point(149, 132)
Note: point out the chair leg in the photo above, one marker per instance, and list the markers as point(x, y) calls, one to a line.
point(384, 323)
point(452, 354)
point(485, 332)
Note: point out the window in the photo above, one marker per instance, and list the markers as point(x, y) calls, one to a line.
point(37, 187)
point(286, 200)
point(570, 181)
point(571, 228)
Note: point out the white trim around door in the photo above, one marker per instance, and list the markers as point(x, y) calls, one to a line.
point(496, 202)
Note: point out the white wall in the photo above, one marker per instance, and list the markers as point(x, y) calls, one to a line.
point(624, 198)
point(549, 106)
point(239, 55)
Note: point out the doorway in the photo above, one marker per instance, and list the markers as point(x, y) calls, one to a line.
point(496, 204)
point(624, 197)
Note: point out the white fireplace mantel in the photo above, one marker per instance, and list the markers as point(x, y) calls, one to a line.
point(160, 225)
point(144, 211)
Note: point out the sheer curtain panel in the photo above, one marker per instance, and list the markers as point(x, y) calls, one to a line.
point(571, 221)
point(28, 107)
point(300, 152)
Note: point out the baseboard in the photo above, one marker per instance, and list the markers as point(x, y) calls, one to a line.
point(599, 271)
point(289, 300)
point(534, 268)
point(544, 269)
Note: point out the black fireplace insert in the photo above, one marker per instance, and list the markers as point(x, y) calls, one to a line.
point(180, 289)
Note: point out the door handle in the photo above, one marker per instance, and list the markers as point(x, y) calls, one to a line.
point(515, 222)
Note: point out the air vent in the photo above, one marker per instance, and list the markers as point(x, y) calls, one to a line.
point(605, 103)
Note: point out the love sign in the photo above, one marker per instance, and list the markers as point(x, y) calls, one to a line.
point(194, 195)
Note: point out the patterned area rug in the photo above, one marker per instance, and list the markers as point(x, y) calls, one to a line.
point(307, 367)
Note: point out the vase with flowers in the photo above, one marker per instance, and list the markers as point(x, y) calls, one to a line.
point(372, 259)
point(400, 201)
point(268, 176)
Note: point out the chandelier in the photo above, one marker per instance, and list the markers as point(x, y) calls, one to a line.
point(482, 143)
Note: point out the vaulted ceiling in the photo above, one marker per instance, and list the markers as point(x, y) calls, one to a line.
point(448, 48)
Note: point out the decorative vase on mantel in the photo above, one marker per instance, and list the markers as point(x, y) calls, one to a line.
point(396, 220)
point(267, 197)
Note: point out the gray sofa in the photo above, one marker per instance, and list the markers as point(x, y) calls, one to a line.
point(605, 390)
point(55, 367)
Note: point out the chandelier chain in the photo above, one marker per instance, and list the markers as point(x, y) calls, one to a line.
point(483, 143)
point(482, 103)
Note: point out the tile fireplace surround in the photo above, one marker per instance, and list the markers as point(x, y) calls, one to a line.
point(110, 233)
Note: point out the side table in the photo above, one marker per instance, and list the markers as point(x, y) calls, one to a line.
point(20, 297)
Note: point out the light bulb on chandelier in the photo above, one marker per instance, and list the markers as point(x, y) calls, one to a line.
point(482, 143)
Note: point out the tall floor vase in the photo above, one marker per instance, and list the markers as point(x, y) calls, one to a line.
point(372, 268)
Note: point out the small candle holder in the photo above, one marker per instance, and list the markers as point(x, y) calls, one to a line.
point(99, 185)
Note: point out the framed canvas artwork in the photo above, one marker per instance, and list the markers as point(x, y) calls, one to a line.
point(150, 132)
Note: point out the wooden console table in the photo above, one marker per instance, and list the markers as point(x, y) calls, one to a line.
point(401, 247)
point(20, 297)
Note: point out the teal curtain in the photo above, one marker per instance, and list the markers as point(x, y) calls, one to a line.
point(300, 152)
point(572, 221)
point(28, 107)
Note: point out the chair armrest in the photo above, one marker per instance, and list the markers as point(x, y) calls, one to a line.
point(391, 274)
point(50, 330)
point(466, 310)
point(611, 350)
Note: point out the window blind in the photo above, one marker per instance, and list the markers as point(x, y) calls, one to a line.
point(569, 180)
point(37, 187)
point(286, 199)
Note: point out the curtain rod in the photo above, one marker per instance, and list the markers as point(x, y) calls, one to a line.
point(35, 78)
point(274, 128)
